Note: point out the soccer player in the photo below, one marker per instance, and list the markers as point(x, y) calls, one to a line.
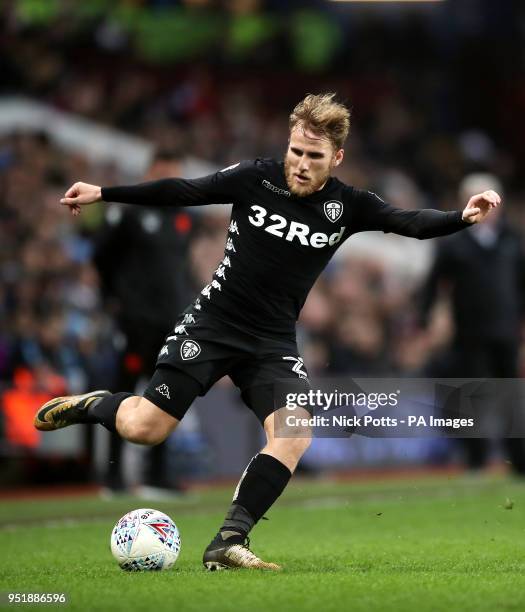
point(288, 218)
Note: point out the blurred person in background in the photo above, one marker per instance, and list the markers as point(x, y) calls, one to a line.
point(141, 257)
point(54, 334)
point(483, 271)
point(288, 218)
point(357, 341)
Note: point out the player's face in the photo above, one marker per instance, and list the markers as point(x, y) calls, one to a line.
point(309, 161)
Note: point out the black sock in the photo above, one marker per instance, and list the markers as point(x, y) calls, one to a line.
point(263, 481)
point(156, 472)
point(104, 411)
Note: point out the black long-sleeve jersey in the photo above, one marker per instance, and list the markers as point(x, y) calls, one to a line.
point(278, 243)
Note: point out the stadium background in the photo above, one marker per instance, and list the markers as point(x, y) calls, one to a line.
point(88, 91)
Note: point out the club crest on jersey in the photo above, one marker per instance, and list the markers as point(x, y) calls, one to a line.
point(189, 349)
point(333, 210)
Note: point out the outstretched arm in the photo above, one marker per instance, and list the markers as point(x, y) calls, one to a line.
point(219, 188)
point(375, 214)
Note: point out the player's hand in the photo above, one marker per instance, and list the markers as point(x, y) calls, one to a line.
point(79, 195)
point(478, 206)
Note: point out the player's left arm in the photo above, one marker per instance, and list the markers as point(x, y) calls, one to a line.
point(375, 214)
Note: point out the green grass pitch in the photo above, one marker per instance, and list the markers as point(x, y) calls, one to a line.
point(427, 544)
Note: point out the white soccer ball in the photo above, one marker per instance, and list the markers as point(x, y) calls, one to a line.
point(145, 539)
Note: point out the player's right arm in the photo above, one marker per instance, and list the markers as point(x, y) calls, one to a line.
point(218, 188)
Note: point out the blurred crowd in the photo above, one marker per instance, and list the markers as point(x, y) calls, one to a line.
point(55, 334)
point(411, 141)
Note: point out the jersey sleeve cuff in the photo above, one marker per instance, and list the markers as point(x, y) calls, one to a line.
point(459, 218)
point(105, 193)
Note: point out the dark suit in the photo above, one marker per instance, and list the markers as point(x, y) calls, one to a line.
point(141, 257)
point(486, 280)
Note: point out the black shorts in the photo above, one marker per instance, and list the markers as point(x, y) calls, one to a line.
point(206, 348)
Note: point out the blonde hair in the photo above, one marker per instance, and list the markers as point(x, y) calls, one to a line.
point(323, 115)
